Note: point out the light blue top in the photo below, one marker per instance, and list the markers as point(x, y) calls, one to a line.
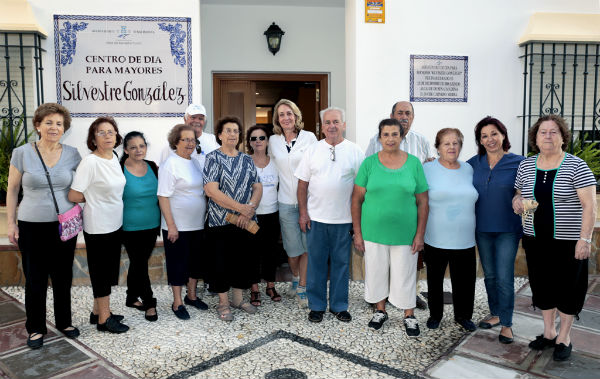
point(140, 204)
point(452, 198)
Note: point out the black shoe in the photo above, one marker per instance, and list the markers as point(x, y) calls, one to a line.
point(562, 352)
point(421, 304)
point(379, 317)
point(181, 313)
point(37, 343)
point(540, 343)
point(433, 323)
point(73, 333)
point(94, 318)
point(112, 325)
point(468, 325)
point(195, 303)
point(487, 325)
point(153, 317)
point(315, 316)
point(411, 326)
point(505, 340)
point(343, 316)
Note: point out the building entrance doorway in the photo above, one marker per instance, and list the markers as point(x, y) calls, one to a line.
point(251, 96)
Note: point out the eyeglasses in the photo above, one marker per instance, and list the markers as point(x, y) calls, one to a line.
point(104, 133)
point(332, 153)
point(188, 140)
point(260, 138)
point(198, 147)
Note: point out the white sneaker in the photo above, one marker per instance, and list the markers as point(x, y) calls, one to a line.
point(293, 287)
point(302, 298)
point(411, 326)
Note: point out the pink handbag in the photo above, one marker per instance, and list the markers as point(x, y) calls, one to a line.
point(70, 223)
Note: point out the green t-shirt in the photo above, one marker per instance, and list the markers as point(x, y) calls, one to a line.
point(389, 212)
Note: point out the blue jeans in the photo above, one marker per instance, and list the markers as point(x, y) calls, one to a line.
point(328, 242)
point(497, 252)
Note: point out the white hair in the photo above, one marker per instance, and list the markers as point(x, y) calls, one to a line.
point(342, 112)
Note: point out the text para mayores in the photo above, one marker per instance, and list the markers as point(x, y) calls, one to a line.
point(162, 92)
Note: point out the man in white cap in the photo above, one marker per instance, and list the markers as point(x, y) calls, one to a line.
point(195, 116)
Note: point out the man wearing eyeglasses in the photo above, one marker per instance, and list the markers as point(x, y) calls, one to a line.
point(195, 116)
point(325, 182)
point(413, 143)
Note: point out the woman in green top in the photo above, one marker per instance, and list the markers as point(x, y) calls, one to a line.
point(389, 215)
point(141, 219)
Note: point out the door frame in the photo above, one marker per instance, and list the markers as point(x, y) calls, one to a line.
point(220, 77)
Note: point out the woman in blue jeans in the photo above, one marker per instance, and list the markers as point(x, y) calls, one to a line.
point(498, 228)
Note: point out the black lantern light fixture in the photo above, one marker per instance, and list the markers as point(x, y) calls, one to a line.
point(274, 34)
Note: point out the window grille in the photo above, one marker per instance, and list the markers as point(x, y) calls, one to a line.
point(21, 83)
point(562, 78)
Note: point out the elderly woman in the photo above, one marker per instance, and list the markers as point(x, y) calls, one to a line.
point(450, 233)
point(498, 229)
point(43, 253)
point(265, 242)
point(232, 184)
point(287, 148)
point(558, 234)
point(99, 183)
point(141, 220)
point(183, 206)
point(389, 214)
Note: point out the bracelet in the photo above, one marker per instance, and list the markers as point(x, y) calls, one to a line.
point(251, 204)
point(588, 240)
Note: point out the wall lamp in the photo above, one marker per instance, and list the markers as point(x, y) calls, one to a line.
point(274, 34)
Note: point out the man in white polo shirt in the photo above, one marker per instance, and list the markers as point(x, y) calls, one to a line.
point(195, 116)
point(325, 182)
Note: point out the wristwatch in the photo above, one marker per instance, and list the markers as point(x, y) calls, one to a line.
point(588, 240)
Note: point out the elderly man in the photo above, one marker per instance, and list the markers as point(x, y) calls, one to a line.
point(195, 116)
point(413, 143)
point(325, 182)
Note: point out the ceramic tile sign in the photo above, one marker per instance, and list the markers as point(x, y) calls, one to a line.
point(375, 12)
point(123, 66)
point(438, 78)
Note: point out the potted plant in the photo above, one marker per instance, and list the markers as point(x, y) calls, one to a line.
point(6, 148)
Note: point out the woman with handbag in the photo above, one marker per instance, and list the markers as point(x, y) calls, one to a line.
point(99, 183)
point(141, 221)
point(37, 234)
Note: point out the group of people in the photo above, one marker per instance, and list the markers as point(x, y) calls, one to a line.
point(221, 212)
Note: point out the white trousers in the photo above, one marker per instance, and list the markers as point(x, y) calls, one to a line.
point(390, 272)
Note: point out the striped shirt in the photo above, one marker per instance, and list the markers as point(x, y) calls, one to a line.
point(413, 143)
point(573, 173)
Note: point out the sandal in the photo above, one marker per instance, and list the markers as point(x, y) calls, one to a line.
point(273, 294)
point(224, 312)
point(255, 298)
point(246, 307)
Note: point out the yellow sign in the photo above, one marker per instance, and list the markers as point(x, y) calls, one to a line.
point(375, 12)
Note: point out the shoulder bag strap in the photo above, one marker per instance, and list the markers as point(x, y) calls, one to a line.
point(47, 177)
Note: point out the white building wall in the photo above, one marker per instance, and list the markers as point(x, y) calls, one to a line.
point(485, 31)
point(233, 40)
point(155, 129)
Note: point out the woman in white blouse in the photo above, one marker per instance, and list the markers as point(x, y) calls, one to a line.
point(286, 148)
point(99, 183)
point(265, 242)
point(183, 207)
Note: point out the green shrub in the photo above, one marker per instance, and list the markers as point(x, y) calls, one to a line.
point(6, 147)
